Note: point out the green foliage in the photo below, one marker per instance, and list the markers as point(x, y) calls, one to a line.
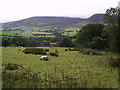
point(112, 31)
point(66, 42)
point(111, 16)
point(34, 51)
point(54, 54)
point(89, 51)
point(98, 43)
point(115, 39)
point(5, 41)
point(88, 32)
point(10, 66)
point(20, 41)
point(114, 62)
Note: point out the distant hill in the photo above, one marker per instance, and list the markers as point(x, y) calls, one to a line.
point(64, 22)
point(46, 21)
point(96, 18)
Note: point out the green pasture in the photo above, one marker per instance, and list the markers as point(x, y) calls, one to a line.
point(26, 33)
point(41, 33)
point(69, 34)
point(94, 69)
point(12, 33)
point(71, 29)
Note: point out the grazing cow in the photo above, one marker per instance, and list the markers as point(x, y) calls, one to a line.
point(44, 57)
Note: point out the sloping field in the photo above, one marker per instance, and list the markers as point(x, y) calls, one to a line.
point(92, 70)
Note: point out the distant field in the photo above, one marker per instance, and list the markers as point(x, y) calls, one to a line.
point(12, 33)
point(26, 33)
point(94, 69)
point(45, 31)
point(41, 33)
point(69, 34)
point(71, 29)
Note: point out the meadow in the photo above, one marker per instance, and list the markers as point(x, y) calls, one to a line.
point(11, 33)
point(45, 31)
point(71, 69)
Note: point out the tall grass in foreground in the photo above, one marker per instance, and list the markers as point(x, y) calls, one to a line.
point(26, 79)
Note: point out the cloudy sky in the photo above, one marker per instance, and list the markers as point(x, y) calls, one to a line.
point(11, 10)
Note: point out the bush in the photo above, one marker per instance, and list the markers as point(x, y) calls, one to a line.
point(73, 49)
point(114, 62)
point(54, 54)
point(98, 43)
point(89, 51)
point(66, 42)
point(66, 49)
point(10, 66)
point(34, 51)
point(47, 50)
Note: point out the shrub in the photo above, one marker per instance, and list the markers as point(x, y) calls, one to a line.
point(47, 50)
point(54, 54)
point(89, 51)
point(73, 49)
point(34, 51)
point(10, 66)
point(114, 62)
point(66, 49)
point(27, 51)
point(56, 51)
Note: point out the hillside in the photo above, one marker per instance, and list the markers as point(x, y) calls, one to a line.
point(46, 21)
point(64, 22)
point(96, 18)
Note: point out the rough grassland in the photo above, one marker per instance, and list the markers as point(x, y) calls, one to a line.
point(95, 69)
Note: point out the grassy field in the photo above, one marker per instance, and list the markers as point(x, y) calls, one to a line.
point(92, 70)
point(69, 34)
point(71, 29)
point(38, 31)
point(12, 33)
point(26, 33)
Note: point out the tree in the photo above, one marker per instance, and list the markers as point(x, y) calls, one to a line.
point(20, 41)
point(33, 43)
point(66, 42)
point(112, 30)
point(111, 16)
point(5, 41)
point(98, 43)
point(88, 32)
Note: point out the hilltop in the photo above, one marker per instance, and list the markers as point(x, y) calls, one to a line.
point(96, 18)
point(46, 21)
point(63, 22)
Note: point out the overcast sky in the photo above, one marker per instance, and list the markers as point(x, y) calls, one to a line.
point(19, 9)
